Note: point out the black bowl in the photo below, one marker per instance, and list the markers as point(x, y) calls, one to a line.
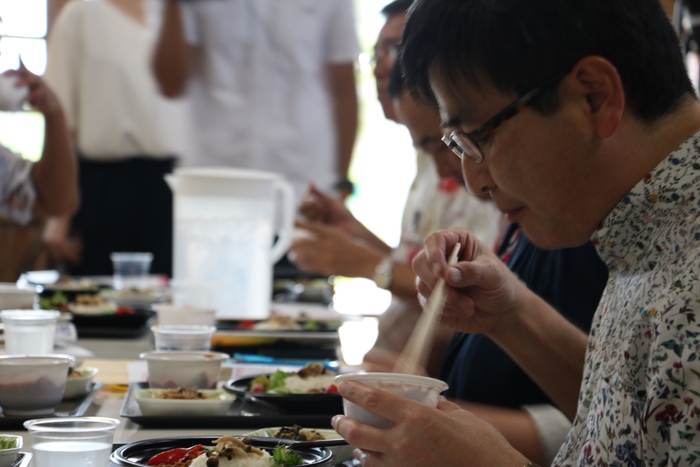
point(317, 404)
point(137, 454)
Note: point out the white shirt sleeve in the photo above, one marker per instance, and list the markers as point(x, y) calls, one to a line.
point(342, 45)
point(17, 193)
point(189, 23)
point(552, 427)
point(63, 66)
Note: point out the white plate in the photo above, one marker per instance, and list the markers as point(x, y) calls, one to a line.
point(218, 403)
point(9, 456)
point(342, 453)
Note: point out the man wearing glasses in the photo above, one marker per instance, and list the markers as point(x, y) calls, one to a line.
point(579, 120)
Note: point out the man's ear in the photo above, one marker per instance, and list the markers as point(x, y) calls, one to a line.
point(597, 81)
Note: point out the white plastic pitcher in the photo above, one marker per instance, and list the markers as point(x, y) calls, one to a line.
point(223, 234)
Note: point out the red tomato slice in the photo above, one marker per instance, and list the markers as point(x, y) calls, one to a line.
point(173, 456)
point(332, 389)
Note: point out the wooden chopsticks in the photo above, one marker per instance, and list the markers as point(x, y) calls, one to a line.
point(414, 357)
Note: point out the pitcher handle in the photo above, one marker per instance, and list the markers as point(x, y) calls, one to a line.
point(284, 235)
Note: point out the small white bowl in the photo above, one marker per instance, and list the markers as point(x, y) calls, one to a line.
point(183, 369)
point(418, 388)
point(32, 385)
point(9, 456)
point(218, 403)
point(185, 314)
point(78, 387)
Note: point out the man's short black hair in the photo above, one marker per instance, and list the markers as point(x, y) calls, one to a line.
point(396, 7)
point(518, 44)
point(397, 83)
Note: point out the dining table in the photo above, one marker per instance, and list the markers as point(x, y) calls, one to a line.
point(119, 366)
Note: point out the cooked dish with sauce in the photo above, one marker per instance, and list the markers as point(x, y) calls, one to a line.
point(182, 394)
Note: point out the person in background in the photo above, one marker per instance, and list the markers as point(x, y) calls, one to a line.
point(338, 244)
point(593, 134)
point(272, 84)
point(48, 187)
point(128, 136)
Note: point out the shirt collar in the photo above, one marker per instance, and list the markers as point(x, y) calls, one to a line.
point(630, 235)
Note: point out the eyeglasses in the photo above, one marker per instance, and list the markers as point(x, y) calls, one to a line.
point(390, 51)
point(469, 144)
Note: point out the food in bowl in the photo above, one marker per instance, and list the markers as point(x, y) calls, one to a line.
point(79, 382)
point(228, 451)
point(182, 394)
point(297, 433)
point(418, 388)
point(167, 370)
point(314, 378)
point(32, 385)
point(9, 449)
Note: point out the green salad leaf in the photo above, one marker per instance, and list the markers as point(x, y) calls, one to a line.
point(283, 457)
point(7, 442)
point(277, 380)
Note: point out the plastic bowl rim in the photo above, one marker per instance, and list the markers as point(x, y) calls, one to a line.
point(394, 378)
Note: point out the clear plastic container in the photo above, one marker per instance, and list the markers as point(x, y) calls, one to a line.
point(131, 269)
point(69, 442)
point(182, 337)
point(29, 331)
point(418, 388)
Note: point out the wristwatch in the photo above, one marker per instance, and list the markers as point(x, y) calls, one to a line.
point(382, 275)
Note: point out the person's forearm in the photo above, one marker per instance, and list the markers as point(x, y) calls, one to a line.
point(516, 426)
point(345, 109)
point(172, 60)
point(55, 176)
point(548, 347)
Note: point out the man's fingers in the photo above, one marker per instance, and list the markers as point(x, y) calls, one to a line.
point(365, 437)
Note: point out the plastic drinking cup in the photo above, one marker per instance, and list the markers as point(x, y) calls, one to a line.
point(131, 269)
point(182, 337)
point(68, 442)
point(29, 331)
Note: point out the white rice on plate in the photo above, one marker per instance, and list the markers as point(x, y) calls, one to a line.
point(252, 460)
point(296, 384)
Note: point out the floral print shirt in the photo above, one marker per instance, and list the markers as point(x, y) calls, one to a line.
point(639, 403)
point(17, 192)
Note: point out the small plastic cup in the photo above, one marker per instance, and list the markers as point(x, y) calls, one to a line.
point(67, 442)
point(418, 388)
point(29, 331)
point(131, 269)
point(180, 337)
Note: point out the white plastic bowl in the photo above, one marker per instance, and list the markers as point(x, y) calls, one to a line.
point(218, 403)
point(183, 369)
point(418, 388)
point(9, 456)
point(32, 384)
point(78, 387)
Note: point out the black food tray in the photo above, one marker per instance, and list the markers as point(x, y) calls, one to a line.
point(113, 325)
point(70, 408)
point(241, 414)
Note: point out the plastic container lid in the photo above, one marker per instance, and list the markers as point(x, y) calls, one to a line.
point(29, 317)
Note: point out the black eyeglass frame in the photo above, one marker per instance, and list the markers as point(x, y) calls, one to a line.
point(478, 136)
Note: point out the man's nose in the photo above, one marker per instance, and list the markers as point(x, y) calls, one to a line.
point(477, 177)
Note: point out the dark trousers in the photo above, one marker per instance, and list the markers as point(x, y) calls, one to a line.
point(125, 206)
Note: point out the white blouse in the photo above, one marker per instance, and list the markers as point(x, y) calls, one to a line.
point(99, 65)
